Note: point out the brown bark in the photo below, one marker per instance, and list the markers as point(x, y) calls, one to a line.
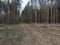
point(8, 13)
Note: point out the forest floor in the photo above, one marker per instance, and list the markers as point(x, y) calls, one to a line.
point(30, 34)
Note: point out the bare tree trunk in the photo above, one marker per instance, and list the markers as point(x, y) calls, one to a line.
point(44, 14)
point(8, 15)
point(54, 15)
point(39, 13)
point(47, 20)
point(2, 14)
point(51, 14)
point(35, 15)
point(14, 15)
point(31, 14)
point(40, 16)
point(58, 3)
point(57, 11)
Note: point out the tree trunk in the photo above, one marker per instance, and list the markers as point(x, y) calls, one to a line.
point(51, 13)
point(2, 16)
point(8, 15)
point(35, 15)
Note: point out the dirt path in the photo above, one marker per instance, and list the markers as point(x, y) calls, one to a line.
point(40, 36)
point(37, 34)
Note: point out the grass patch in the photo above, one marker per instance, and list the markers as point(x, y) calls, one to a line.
point(20, 36)
point(9, 32)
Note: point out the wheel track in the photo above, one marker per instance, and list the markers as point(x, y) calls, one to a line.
point(53, 35)
point(28, 36)
point(46, 30)
point(42, 37)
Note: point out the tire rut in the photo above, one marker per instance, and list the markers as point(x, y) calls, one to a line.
point(39, 36)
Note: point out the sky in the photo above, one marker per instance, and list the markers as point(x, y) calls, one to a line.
point(24, 3)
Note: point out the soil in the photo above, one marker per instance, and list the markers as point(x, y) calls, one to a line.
point(37, 34)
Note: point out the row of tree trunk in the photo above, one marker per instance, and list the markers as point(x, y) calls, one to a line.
point(46, 14)
point(11, 13)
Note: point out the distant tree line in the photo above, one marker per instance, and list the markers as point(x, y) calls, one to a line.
point(9, 12)
point(42, 11)
point(37, 11)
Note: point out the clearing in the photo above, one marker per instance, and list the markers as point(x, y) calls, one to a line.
point(30, 34)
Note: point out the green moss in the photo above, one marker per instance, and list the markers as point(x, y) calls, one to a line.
point(7, 31)
point(20, 36)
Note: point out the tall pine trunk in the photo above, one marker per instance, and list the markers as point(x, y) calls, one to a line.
point(8, 13)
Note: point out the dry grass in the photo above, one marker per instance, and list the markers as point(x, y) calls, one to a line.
point(30, 34)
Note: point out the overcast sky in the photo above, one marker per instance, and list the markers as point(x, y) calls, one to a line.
point(24, 3)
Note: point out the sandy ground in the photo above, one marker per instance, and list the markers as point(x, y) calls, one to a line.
point(38, 34)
